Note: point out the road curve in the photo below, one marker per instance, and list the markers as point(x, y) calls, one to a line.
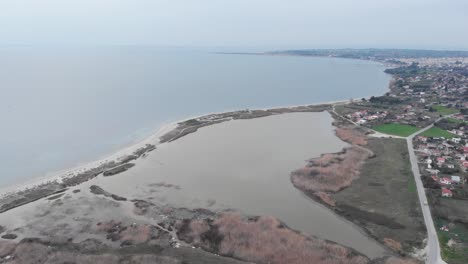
point(433, 247)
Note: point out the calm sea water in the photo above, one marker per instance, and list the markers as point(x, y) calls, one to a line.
point(64, 106)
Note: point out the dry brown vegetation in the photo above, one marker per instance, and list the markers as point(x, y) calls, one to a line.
point(351, 135)
point(127, 234)
point(263, 240)
point(333, 172)
point(6, 248)
point(326, 198)
point(395, 245)
point(137, 234)
point(330, 172)
point(394, 260)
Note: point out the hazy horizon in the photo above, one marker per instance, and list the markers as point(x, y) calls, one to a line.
point(261, 24)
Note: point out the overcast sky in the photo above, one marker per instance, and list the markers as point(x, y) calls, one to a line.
point(264, 23)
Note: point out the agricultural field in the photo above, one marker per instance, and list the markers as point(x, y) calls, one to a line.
point(438, 132)
point(443, 110)
point(454, 120)
point(453, 241)
point(396, 129)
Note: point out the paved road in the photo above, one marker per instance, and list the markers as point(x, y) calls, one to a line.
point(433, 248)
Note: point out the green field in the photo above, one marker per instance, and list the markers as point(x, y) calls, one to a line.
point(444, 110)
point(396, 129)
point(457, 232)
point(412, 186)
point(454, 120)
point(437, 132)
point(386, 180)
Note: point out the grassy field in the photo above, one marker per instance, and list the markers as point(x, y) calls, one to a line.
point(384, 196)
point(457, 232)
point(444, 110)
point(454, 120)
point(412, 186)
point(438, 132)
point(396, 129)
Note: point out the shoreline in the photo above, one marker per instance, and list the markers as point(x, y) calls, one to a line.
point(153, 139)
point(84, 166)
point(387, 65)
point(41, 187)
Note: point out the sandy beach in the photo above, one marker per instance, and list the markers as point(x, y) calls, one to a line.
point(153, 139)
point(57, 181)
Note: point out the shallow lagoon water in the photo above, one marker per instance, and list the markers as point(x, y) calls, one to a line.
point(245, 165)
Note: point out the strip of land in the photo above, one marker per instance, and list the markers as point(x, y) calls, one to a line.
point(123, 162)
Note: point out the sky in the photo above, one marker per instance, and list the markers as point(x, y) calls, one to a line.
point(437, 24)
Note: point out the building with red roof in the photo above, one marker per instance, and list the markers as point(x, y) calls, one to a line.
point(446, 192)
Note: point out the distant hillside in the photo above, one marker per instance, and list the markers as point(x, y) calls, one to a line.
point(375, 54)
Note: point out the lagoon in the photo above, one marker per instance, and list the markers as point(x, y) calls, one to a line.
point(244, 165)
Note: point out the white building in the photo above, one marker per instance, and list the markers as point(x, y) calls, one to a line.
point(456, 179)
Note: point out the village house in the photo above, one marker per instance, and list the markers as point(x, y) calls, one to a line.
point(464, 165)
point(433, 171)
point(444, 228)
point(440, 160)
point(457, 132)
point(364, 116)
point(465, 149)
point(455, 179)
point(446, 193)
point(361, 121)
point(445, 181)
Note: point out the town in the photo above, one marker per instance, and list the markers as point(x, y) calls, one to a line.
point(426, 91)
